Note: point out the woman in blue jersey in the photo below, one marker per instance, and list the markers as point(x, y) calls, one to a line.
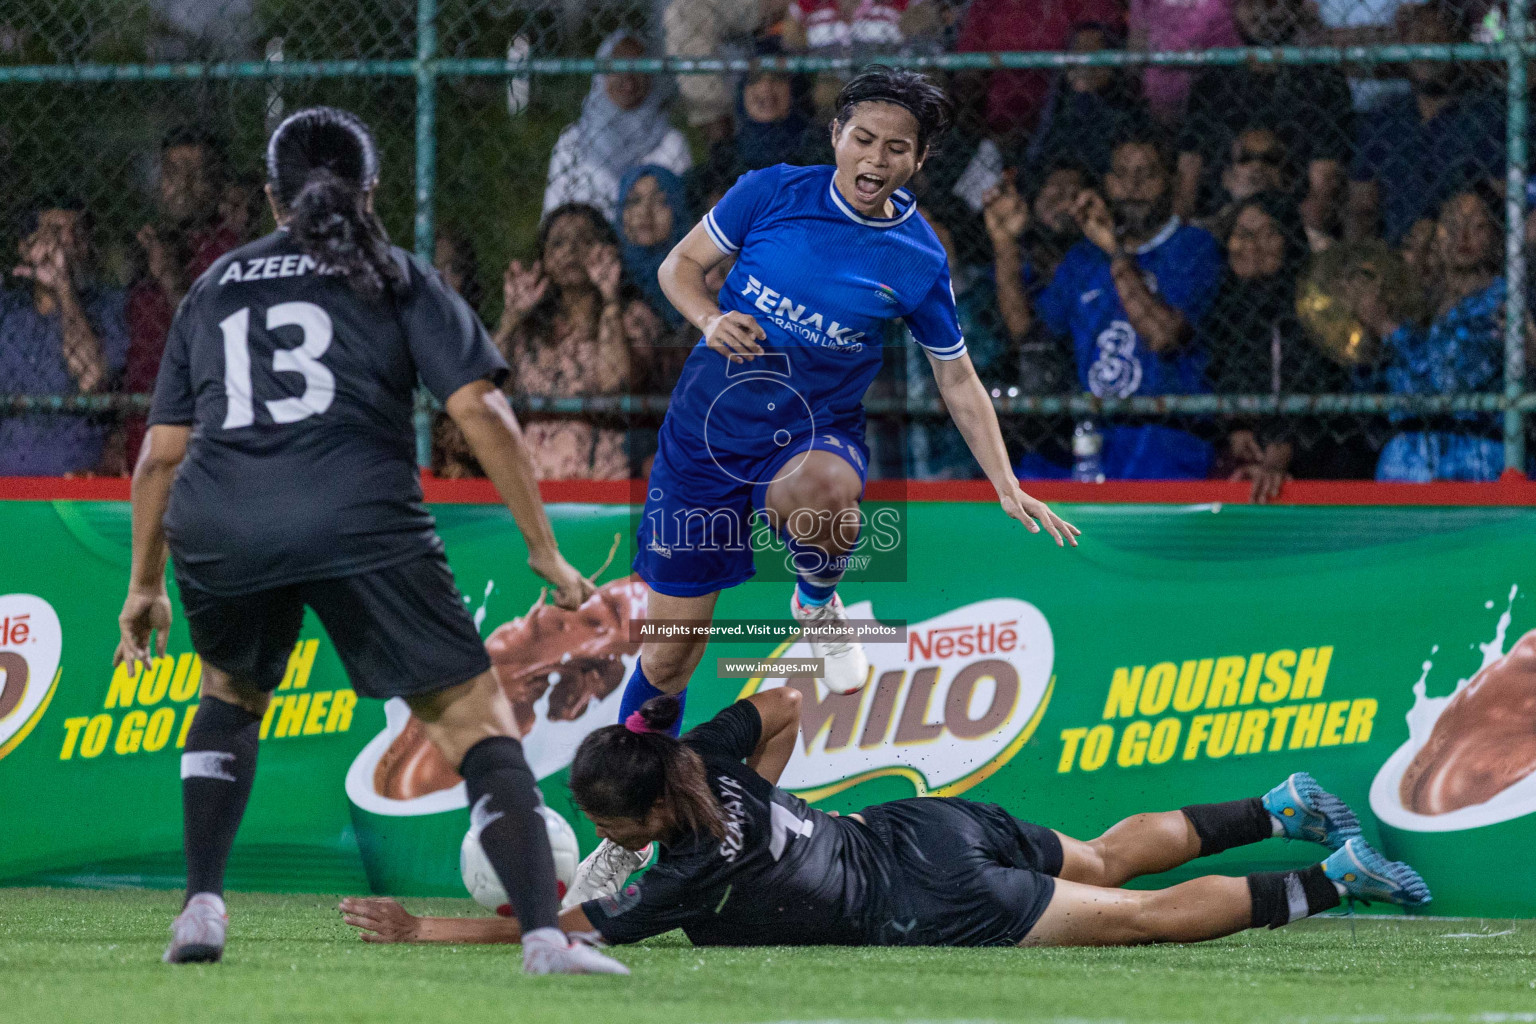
point(767, 417)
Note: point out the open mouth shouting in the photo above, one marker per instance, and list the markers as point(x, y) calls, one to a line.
point(867, 189)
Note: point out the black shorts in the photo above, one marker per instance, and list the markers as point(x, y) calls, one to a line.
point(969, 874)
point(399, 631)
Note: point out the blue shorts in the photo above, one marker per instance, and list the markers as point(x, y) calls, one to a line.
point(695, 533)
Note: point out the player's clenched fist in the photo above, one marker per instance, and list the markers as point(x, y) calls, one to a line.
point(735, 336)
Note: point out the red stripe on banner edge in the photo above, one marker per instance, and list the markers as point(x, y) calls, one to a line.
point(1511, 490)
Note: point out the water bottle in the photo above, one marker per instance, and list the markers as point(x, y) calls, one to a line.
point(1087, 453)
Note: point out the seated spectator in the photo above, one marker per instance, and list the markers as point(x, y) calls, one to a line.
point(623, 124)
point(653, 218)
point(1461, 350)
point(1030, 239)
point(1257, 162)
point(1129, 296)
point(1177, 25)
point(770, 128)
point(841, 24)
point(1015, 98)
point(184, 240)
point(937, 448)
point(453, 256)
point(1306, 106)
point(1258, 347)
point(967, 167)
point(1089, 108)
point(715, 28)
point(60, 334)
point(1416, 151)
point(563, 331)
point(1420, 252)
point(241, 208)
point(1353, 23)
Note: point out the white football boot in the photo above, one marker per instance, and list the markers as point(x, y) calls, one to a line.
point(548, 951)
point(846, 665)
point(603, 872)
point(197, 934)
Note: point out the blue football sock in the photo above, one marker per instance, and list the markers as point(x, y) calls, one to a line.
point(639, 690)
point(818, 576)
point(813, 596)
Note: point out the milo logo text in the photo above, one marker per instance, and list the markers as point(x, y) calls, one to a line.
point(943, 711)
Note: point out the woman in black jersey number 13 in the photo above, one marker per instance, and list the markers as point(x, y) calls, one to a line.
point(279, 473)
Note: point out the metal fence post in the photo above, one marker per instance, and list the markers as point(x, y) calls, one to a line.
point(426, 168)
point(1514, 242)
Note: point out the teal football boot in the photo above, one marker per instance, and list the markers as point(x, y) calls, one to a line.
point(1369, 877)
point(1307, 811)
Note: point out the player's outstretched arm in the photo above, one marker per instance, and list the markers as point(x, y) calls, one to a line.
point(381, 919)
point(482, 413)
point(971, 408)
point(147, 610)
point(734, 335)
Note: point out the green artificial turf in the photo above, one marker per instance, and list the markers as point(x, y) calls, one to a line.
point(91, 955)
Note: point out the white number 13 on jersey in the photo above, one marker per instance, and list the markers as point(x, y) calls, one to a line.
point(319, 383)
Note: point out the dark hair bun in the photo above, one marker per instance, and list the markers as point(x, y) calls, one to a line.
point(322, 163)
point(660, 714)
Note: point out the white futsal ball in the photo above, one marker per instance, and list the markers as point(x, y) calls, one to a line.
point(480, 878)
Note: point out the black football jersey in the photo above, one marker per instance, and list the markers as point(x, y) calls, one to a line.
point(299, 391)
point(785, 874)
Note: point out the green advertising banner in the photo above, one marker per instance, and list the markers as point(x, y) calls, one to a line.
point(1180, 655)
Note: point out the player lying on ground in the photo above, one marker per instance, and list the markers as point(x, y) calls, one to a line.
point(280, 471)
point(766, 423)
point(743, 862)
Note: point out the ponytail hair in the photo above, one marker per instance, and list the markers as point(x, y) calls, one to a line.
point(629, 770)
point(322, 163)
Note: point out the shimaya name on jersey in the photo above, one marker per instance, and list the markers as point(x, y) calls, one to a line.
point(790, 315)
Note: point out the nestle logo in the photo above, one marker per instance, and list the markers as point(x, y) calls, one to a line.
point(963, 641)
point(15, 630)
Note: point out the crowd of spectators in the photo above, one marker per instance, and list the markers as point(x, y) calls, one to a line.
point(1120, 232)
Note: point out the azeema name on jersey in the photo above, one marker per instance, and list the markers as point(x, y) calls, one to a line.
point(268, 268)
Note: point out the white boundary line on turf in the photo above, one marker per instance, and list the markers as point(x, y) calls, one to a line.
point(1491, 1017)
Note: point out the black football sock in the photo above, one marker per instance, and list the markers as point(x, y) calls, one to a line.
point(218, 767)
point(503, 802)
point(1280, 897)
point(1233, 823)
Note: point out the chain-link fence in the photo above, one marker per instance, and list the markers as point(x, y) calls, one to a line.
point(1321, 210)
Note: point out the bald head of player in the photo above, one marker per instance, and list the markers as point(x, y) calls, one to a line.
point(887, 120)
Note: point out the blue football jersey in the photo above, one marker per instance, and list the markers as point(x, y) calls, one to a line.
point(822, 281)
point(1182, 266)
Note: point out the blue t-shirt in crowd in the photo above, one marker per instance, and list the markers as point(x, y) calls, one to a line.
point(32, 363)
point(1460, 351)
point(1417, 165)
point(1181, 265)
point(822, 281)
